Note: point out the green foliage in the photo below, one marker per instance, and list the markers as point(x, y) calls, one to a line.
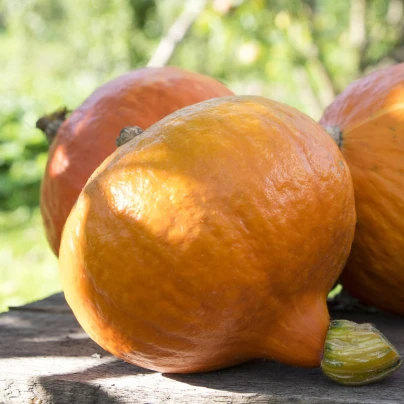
point(28, 270)
point(54, 53)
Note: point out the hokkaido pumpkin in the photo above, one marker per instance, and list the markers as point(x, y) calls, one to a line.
point(213, 238)
point(367, 121)
point(87, 137)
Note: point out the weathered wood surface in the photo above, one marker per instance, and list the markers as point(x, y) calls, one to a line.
point(45, 357)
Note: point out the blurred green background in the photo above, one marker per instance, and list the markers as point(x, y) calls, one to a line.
point(54, 53)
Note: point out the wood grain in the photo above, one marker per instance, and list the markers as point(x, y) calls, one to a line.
point(45, 357)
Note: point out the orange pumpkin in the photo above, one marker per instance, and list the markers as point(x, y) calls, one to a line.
point(87, 137)
point(367, 120)
point(212, 238)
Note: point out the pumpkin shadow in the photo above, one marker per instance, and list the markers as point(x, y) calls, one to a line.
point(256, 376)
point(84, 386)
point(64, 392)
point(281, 383)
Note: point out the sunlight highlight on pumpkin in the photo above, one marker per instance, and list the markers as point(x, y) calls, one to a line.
point(60, 162)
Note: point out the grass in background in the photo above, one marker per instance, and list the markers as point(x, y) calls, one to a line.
point(28, 268)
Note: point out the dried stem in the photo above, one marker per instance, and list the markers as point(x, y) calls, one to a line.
point(128, 133)
point(50, 124)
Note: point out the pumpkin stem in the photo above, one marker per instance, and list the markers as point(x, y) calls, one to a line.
point(335, 132)
point(358, 354)
point(50, 124)
point(128, 133)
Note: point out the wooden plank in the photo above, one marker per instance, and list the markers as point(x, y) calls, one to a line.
point(45, 357)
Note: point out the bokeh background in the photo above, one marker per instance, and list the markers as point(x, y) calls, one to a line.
point(54, 53)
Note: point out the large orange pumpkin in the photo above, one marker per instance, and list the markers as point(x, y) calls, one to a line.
point(212, 238)
point(87, 137)
point(367, 120)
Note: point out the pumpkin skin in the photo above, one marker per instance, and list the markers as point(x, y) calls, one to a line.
point(141, 97)
point(369, 115)
point(212, 238)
